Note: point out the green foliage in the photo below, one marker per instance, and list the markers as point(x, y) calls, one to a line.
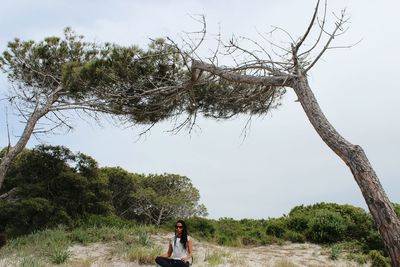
point(335, 252)
point(30, 262)
point(143, 85)
point(24, 215)
point(326, 227)
point(276, 227)
point(203, 228)
point(93, 220)
point(132, 73)
point(358, 257)
point(52, 245)
point(378, 260)
point(143, 255)
point(53, 186)
point(298, 221)
point(355, 222)
point(163, 197)
point(39, 245)
point(294, 236)
point(144, 239)
point(215, 258)
point(59, 256)
point(123, 185)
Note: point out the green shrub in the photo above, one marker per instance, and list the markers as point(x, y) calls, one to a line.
point(53, 186)
point(143, 255)
point(144, 239)
point(26, 215)
point(250, 241)
point(93, 220)
point(298, 222)
point(268, 240)
point(373, 241)
point(30, 262)
point(326, 227)
point(335, 252)
point(87, 235)
point(59, 256)
point(201, 227)
point(294, 237)
point(377, 259)
point(357, 257)
point(276, 227)
point(215, 257)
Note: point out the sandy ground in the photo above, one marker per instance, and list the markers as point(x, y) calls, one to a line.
point(288, 255)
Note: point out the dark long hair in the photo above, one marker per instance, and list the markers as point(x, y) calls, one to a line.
point(184, 237)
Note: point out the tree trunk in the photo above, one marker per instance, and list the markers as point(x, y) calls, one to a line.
point(378, 203)
point(23, 140)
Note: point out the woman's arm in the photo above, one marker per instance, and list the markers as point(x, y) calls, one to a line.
point(190, 251)
point(169, 252)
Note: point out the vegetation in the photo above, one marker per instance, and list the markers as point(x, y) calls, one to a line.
point(51, 245)
point(61, 198)
point(52, 186)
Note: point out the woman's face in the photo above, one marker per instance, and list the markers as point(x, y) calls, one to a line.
point(178, 229)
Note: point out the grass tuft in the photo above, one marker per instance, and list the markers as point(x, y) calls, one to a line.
point(214, 258)
point(143, 255)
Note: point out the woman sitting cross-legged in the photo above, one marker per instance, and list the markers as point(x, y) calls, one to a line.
point(179, 250)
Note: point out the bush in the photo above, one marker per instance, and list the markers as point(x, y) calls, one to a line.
point(373, 241)
point(326, 227)
point(26, 215)
point(295, 237)
point(53, 186)
point(143, 255)
point(250, 241)
point(335, 252)
point(93, 220)
point(276, 227)
point(201, 227)
point(377, 259)
point(298, 222)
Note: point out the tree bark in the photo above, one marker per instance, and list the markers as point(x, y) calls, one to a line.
point(23, 140)
point(353, 155)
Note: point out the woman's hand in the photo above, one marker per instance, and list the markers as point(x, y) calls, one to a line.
point(184, 259)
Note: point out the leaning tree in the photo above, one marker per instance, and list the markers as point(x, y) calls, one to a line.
point(255, 84)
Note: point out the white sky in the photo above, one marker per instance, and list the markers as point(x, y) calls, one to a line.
point(283, 162)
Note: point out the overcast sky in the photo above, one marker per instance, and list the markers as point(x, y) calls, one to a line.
point(282, 162)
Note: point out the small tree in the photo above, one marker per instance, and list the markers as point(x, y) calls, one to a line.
point(167, 196)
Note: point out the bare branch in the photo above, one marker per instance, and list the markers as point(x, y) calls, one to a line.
point(228, 74)
point(308, 29)
point(332, 36)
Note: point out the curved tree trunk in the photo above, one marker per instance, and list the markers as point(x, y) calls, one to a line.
point(19, 146)
point(378, 203)
point(26, 134)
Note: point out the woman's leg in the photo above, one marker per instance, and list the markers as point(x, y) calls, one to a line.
point(164, 262)
point(180, 264)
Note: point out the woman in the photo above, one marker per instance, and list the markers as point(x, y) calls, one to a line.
point(179, 250)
